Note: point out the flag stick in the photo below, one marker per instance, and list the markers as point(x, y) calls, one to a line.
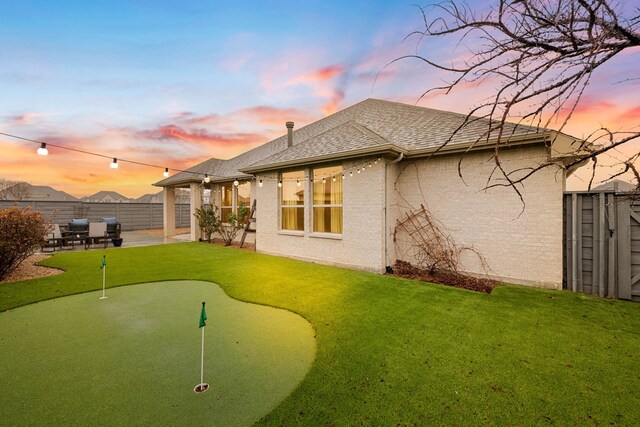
point(202, 359)
point(202, 387)
point(104, 278)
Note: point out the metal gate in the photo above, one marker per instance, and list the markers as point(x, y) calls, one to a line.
point(602, 245)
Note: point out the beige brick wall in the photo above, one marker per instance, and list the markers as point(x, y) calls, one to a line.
point(520, 247)
point(362, 242)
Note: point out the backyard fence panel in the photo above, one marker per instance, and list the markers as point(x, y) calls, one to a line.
point(132, 216)
point(602, 245)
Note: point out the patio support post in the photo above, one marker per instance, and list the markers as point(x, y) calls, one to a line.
point(169, 211)
point(196, 202)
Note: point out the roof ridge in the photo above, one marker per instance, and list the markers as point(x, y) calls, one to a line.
point(367, 132)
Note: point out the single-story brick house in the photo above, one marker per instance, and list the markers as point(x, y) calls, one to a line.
point(332, 191)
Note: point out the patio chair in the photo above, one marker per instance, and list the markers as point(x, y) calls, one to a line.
point(113, 227)
point(54, 240)
point(78, 230)
point(97, 233)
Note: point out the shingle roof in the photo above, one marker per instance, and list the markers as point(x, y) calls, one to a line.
point(50, 193)
point(102, 194)
point(369, 125)
point(384, 124)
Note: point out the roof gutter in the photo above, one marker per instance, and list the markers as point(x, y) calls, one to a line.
point(523, 139)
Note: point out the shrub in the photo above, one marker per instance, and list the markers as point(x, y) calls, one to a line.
point(234, 222)
point(207, 217)
point(21, 230)
point(210, 222)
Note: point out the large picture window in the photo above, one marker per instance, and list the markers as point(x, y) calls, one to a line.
point(292, 201)
point(327, 200)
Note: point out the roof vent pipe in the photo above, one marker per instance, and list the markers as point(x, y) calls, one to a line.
point(289, 134)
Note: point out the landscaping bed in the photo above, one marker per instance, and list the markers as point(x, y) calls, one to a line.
point(408, 271)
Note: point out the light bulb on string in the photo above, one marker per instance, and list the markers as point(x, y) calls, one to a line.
point(358, 170)
point(350, 173)
point(114, 164)
point(370, 164)
point(298, 182)
point(324, 180)
point(43, 149)
point(343, 175)
point(166, 172)
point(260, 183)
point(334, 179)
point(280, 184)
point(206, 178)
point(236, 183)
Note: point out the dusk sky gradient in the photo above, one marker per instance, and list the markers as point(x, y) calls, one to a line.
point(174, 83)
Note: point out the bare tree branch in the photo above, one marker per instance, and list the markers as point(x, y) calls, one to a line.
point(542, 54)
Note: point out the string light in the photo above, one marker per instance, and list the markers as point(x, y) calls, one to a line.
point(324, 180)
point(280, 184)
point(43, 149)
point(260, 183)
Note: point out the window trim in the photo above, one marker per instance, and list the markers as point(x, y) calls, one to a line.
point(312, 231)
point(303, 206)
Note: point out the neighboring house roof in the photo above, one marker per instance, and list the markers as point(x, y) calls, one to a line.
point(150, 198)
point(617, 185)
point(370, 127)
point(44, 192)
point(102, 195)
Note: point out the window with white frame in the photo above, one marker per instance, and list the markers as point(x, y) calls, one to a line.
point(327, 199)
point(292, 201)
point(226, 200)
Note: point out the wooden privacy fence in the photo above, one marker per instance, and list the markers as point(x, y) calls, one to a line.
point(602, 245)
point(132, 216)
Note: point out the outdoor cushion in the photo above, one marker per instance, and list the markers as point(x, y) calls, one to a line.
point(79, 224)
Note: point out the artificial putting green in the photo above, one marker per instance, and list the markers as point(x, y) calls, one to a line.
point(134, 358)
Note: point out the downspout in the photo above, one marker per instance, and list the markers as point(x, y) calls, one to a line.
point(386, 208)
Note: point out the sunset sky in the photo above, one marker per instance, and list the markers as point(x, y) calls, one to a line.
point(174, 83)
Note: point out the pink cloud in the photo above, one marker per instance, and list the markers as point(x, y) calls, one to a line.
point(334, 103)
point(199, 136)
point(321, 75)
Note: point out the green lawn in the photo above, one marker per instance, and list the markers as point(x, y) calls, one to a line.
point(397, 351)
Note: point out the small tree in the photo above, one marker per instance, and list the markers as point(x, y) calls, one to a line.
point(13, 190)
point(234, 222)
point(207, 217)
point(21, 230)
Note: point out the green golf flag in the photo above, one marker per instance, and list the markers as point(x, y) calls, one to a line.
point(203, 317)
point(104, 262)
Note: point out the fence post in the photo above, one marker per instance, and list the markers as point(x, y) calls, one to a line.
point(601, 237)
point(624, 248)
point(574, 242)
point(612, 288)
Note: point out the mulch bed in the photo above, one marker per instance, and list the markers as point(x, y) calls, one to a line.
point(247, 246)
point(408, 271)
